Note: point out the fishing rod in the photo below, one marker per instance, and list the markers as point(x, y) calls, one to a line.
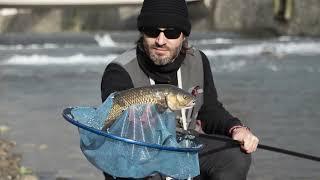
point(261, 146)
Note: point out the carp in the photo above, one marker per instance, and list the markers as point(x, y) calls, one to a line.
point(164, 96)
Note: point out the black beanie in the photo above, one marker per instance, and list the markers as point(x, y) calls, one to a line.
point(165, 13)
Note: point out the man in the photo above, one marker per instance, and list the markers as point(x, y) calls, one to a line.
point(162, 56)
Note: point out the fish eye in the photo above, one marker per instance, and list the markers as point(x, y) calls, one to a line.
point(185, 97)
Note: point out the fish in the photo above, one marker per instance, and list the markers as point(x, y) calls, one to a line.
point(164, 96)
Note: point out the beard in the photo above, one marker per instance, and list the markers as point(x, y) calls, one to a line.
point(162, 59)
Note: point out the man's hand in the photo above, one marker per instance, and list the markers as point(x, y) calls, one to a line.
point(248, 141)
point(199, 127)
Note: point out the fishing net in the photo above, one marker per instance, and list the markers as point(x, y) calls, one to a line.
point(140, 143)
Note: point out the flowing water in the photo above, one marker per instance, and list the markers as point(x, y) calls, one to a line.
point(271, 83)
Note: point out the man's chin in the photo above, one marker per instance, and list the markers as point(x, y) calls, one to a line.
point(160, 60)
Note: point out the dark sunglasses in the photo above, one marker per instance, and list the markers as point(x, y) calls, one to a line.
point(170, 33)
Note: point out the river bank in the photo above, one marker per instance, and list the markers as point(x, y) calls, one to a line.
point(10, 163)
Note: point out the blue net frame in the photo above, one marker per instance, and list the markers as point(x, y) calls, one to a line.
point(140, 143)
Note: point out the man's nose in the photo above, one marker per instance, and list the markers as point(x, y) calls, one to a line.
point(161, 39)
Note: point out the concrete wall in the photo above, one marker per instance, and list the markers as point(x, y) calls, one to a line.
point(243, 15)
point(253, 16)
point(258, 15)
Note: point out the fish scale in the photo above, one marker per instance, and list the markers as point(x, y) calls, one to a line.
point(156, 94)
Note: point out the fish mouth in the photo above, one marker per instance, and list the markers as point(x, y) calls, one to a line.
point(190, 104)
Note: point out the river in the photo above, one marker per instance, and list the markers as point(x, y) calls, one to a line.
point(271, 83)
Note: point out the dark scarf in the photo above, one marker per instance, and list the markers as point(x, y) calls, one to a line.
point(161, 74)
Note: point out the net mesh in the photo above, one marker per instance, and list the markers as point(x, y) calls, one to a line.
point(121, 157)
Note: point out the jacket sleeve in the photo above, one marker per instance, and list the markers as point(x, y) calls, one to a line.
point(214, 117)
point(115, 78)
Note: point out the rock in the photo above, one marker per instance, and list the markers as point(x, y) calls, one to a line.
point(4, 129)
point(10, 168)
point(9, 162)
point(25, 171)
point(29, 177)
point(43, 147)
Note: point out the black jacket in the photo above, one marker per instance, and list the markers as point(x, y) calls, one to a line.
point(215, 118)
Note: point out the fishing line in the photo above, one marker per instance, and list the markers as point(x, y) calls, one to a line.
point(262, 146)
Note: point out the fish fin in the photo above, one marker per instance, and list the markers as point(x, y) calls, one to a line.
point(160, 108)
point(108, 124)
point(104, 128)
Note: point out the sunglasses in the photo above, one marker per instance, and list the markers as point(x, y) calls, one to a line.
point(170, 33)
